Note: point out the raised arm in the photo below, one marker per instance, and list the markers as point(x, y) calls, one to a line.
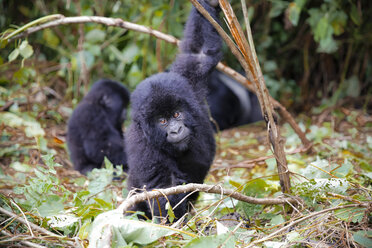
point(200, 49)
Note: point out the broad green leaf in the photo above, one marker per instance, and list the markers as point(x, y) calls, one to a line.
point(294, 12)
point(321, 29)
point(321, 168)
point(293, 236)
point(255, 188)
point(95, 35)
point(339, 20)
point(23, 75)
point(26, 49)
point(277, 8)
point(112, 228)
point(328, 43)
point(216, 241)
point(235, 184)
point(368, 174)
point(22, 167)
point(50, 38)
point(352, 86)
point(103, 203)
point(350, 214)
point(277, 220)
point(354, 15)
point(13, 55)
point(53, 205)
point(364, 238)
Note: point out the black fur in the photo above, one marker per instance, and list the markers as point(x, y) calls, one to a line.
point(231, 104)
point(153, 161)
point(95, 127)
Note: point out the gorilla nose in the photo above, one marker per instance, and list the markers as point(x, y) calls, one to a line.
point(176, 129)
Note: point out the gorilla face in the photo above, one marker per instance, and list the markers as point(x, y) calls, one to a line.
point(177, 133)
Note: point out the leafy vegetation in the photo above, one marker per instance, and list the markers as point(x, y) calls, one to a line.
point(316, 58)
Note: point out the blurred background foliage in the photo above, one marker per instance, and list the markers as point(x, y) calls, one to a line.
point(311, 52)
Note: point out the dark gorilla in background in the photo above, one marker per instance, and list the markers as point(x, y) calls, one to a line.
point(231, 104)
point(95, 127)
point(171, 140)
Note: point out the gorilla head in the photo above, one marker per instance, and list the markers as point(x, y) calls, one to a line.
point(167, 111)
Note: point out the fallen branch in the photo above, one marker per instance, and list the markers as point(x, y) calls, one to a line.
point(62, 20)
point(215, 189)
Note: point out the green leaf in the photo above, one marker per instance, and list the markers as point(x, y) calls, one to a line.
point(22, 167)
point(95, 36)
point(255, 188)
point(23, 75)
point(50, 38)
point(321, 29)
point(13, 55)
point(321, 168)
point(235, 184)
point(25, 49)
point(112, 228)
point(103, 203)
point(215, 241)
point(277, 220)
point(350, 214)
point(354, 15)
point(352, 86)
point(277, 8)
point(339, 20)
point(363, 238)
point(294, 12)
point(52, 206)
point(170, 212)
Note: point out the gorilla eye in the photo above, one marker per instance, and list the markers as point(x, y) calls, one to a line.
point(162, 121)
point(176, 114)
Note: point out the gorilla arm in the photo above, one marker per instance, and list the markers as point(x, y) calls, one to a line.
point(200, 49)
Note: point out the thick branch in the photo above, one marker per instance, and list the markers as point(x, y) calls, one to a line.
point(194, 187)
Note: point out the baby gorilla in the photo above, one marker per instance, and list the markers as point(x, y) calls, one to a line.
point(170, 140)
point(95, 127)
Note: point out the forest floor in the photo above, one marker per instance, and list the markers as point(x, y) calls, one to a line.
point(337, 174)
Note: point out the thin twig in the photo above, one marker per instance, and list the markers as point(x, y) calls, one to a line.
point(24, 216)
point(216, 189)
